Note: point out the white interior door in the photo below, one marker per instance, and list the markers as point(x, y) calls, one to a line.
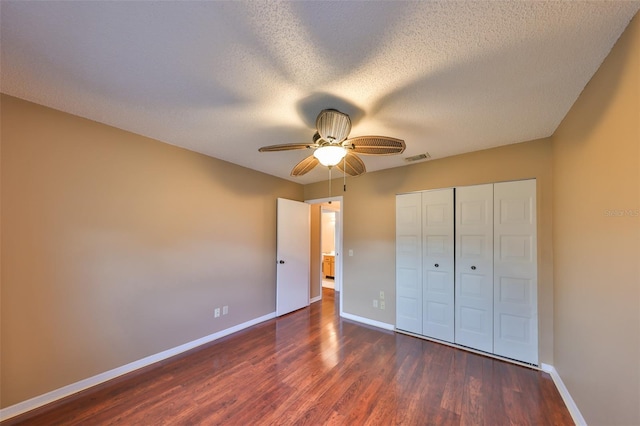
point(409, 262)
point(515, 271)
point(438, 260)
point(474, 267)
point(293, 256)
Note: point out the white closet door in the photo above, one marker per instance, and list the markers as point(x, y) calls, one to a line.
point(474, 267)
point(438, 260)
point(409, 262)
point(515, 271)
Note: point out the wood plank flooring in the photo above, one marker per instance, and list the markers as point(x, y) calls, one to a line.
point(312, 368)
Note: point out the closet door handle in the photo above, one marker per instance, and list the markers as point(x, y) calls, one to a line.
point(436, 265)
point(473, 268)
point(281, 262)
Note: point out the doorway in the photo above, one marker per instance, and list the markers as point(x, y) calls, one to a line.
point(326, 250)
point(328, 213)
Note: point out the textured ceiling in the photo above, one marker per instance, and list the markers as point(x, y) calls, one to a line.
point(224, 78)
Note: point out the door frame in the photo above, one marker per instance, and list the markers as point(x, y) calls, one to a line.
point(339, 282)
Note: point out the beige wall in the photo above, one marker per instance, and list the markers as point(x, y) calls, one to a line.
point(116, 247)
point(596, 159)
point(369, 222)
point(328, 231)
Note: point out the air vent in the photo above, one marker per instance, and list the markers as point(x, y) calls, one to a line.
point(418, 157)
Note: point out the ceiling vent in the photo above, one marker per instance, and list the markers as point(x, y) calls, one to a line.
point(418, 157)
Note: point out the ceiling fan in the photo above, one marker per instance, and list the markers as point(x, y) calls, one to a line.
point(332, 148)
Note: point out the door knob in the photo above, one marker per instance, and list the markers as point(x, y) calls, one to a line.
point(436, 265)
point(473, 268)
point(281, 262)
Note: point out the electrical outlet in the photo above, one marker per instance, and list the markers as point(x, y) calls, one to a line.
point(375, 303)
point(225, 310)
point(216, 313)
point(382, 295)
point(382, 304)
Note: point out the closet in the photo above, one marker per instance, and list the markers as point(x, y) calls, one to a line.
point(466, 267)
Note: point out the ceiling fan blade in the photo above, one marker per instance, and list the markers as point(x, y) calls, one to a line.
point(352, 165)
point(305, 166)
point(376, 145)
point(286, 147)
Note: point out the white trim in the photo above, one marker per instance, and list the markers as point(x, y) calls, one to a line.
point(564, 393)
point(54, 395)
point(374, 323)
point(315, 299)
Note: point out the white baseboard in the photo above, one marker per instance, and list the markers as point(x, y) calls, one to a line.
point(367, 321)
point(564, 393)
point(315, 299)
point(49, 397)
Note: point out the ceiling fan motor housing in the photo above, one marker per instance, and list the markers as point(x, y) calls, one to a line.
point(333, 125)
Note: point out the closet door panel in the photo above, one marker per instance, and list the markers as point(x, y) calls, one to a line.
point(474, 267)
point(515, 271)
point(409, 262)
point(438, 260)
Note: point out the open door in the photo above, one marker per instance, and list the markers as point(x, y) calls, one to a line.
point(293, 245)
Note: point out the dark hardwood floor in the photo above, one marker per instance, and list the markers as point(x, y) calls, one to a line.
point(312, 368)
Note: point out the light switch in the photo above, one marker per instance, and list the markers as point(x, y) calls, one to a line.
point(350, 252)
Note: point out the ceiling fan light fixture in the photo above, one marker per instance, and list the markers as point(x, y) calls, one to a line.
point(330, 155)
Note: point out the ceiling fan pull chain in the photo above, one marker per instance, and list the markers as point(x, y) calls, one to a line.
point(344, 173)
